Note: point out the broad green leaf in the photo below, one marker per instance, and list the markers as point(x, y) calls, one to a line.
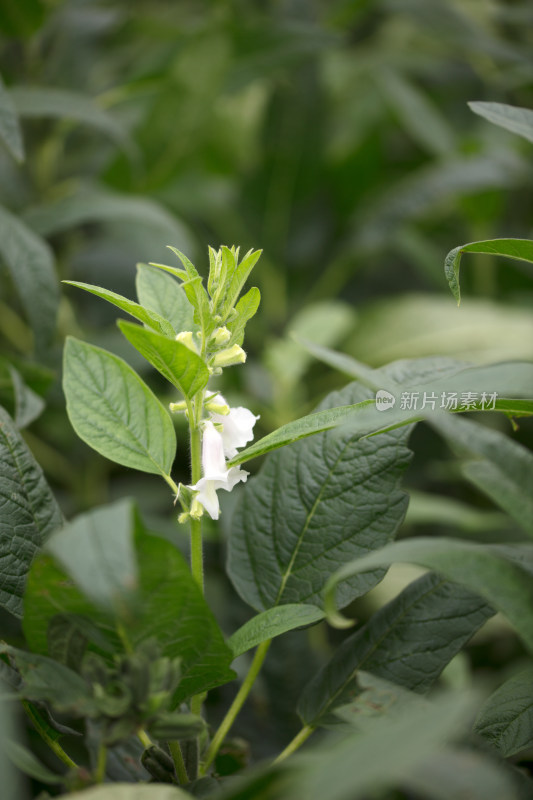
point(180, 366)
point(409, 641)
point(38, 101)
point(131, 791)
point(373, 699)
point(502, 468)
point(113, 410)
point(273, 622)
point(307, 512)
point(66, 640)
point(506, 718)
point(245, 308)
point(96, 550)
point(24, 760)
point(29, 514)
point(31, 264)
point(512, 118)
point(518, 249)
point(93, 204)
point(9, 125)
point(491, 574)
point(22, 403)
point(150, 318)
point(162, 294)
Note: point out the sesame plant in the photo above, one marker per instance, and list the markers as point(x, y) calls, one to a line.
point(122, 647)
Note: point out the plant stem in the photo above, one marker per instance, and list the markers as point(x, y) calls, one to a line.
point(197, 561)
point(179, 763)
point(144, 739)
point(297, 742)
point(43, 733)
point(236, 706)
point(99, 773)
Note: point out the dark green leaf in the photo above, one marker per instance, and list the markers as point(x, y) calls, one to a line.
point(408, 641)
point(29, 514)
point(273, 622)
point(22, 403)
point(307, 512)
point(180, 366)
point(518, 249)
point(113, 410)
point(9, 125)
point(66, 641)
point(162, 294)
point(145, 315)
point(31, 264)
point(506, 718)
point(24, 759)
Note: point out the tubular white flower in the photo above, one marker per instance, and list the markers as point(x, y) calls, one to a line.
point(237, 427)
point(216, 475)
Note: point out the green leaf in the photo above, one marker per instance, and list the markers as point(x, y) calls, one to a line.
point(195, 291)
point(31, 264)
point(21, 18)
point(180, 366)
point(150, 318)
point(22, 403)
point(29, 514)
point(245, 308)
point(307, 512)
point(502, 468)
point(24, 760)
point(373, 699)
point(517, 249)
point(408, 641)
point(131, 791)
point(66, 641)
point(490, 573)
point(506, 718)
point(37, 101)
point(96, 550)
point(176, 726)
point(236, 278)
point(512, 118)
point(113, 410)
point(273, 622)
point(10, 131)
point(162, 294)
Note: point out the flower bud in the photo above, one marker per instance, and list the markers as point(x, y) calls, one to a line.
point(177, 407)
point(186, 338)
point(229, 356)
point(220, 336)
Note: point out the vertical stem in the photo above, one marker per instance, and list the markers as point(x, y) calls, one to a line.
point(99, 774)
point(197, 561)
point(242, 694)
point(177, 758)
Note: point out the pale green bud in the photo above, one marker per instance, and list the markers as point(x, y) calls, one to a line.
point(186, 338)
point(229, 356)
point(177, 407)
point(220, 336)
point(197, 509)
point(217, 405)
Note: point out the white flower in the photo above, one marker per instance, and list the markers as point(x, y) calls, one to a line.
point(216, 475)
point(237, 427)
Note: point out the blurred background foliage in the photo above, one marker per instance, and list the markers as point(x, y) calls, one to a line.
point(333, 134)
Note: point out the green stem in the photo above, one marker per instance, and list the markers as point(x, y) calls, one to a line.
point(297, 742)
point(197, 561)
point(173, 485)
point(179, 763)
point(43, 733)
point(99, 774)
point(236, 706)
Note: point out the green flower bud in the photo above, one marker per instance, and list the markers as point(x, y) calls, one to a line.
point(220, 336)
point(228, 357)
point(186, 338)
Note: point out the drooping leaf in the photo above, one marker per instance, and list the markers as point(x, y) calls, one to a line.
point(512, 118)
point(180, 366)
point(307, 512)
point(502, 468)
point(149, 317)
point(29, 514)
point(518, 249)
point(31, 264)
point(162, 294)
point(272, 622)
point(506, 718)
point(113, 410)
point(489, 572)
point(21, 402)
point(10, 131)
point(24, 760)
point(408, 641)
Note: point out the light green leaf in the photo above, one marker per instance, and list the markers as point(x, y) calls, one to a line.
point(131, 791)
point(162, 294)
point(113, 410)
point(150, 318)
point(96, 550)
point(9, 125)
point(236, 277)
point(307, 512)
point(491, 574)
point(502, 468)
point(273, 622)
point(38, 101)
point(409, 641)
point(506, 718)
point(29, 514)
point(180, 366)
point(30, 262)
point(24, 760)
point(512, 118)
point(245, 308)
point(517, 249)
point(436, 509)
